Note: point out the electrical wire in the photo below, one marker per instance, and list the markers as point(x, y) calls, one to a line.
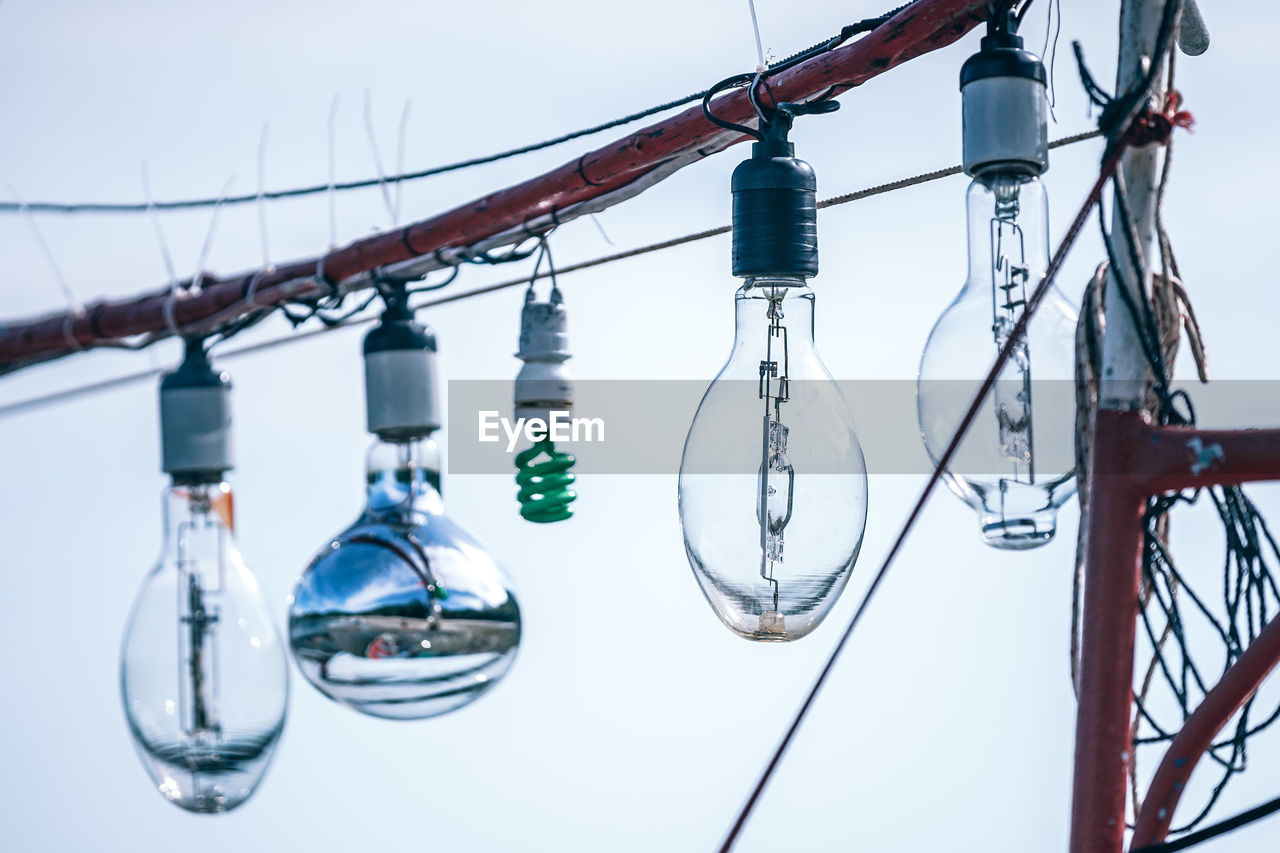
point(845, 34)
point(22, 406)
point(341, 186)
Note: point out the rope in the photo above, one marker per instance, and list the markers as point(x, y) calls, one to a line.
point(22, 406)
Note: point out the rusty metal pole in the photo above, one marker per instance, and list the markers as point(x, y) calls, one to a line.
point(1114, 536)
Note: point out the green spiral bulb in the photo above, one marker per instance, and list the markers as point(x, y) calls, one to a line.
point(545, 492)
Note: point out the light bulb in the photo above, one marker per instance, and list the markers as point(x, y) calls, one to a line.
point(773, 486)
point(404, 614)
point(203, 673)
point(1015, 466)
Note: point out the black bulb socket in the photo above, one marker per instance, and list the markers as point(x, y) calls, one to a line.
point(398, 330)
point(775, 209)
point(195, 419)
point(1001, 54)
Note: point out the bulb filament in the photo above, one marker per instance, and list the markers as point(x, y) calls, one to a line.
point(197, 648)
point(1009, 274)
point(775, 389)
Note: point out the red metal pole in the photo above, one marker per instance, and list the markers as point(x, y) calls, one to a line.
point(1112, 574)
point(924, 26)
point(1239, 682)
point(1173, 458)
point(1132, 460)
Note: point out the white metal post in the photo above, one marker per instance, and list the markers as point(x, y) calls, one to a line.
point(1125, 372)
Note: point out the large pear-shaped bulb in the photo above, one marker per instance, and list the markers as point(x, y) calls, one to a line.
point(773, 486)
point(203, 672)
point(1016, 465)
point(404, 614)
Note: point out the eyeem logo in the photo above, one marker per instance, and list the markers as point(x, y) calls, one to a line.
point(561, 428)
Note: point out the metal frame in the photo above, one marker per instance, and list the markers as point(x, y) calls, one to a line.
point(1132, 461)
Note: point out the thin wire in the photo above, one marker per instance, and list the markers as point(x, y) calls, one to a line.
point(76, 306)
point(208, 238)
point(755, 28)
point(1051, 48)
point(377, 157)
point(262, 207)
point(93, 387)
point(401, 144)
point(155, 224)
point(364, 183)
point(595, 220)
point(333, 166)
point(134, 207)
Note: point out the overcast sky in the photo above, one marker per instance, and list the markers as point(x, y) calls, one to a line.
point(631, 720)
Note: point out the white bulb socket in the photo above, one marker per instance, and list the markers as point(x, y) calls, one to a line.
point(544, 384)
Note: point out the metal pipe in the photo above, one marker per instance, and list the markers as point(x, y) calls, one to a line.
point(1112, 574)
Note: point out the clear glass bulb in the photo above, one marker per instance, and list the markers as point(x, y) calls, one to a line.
point(203, 672)
point(404, 615)
point(773, 486)
point(1016, 465)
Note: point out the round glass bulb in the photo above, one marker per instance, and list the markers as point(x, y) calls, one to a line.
point(404, 615)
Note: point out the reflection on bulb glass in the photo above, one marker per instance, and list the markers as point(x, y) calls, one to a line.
point(1015, 465)
point(404, 615)
point(773, 486)
point(203, 672)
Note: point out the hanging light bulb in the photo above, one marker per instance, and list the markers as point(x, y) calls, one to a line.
point(543, 388)
point(403, 615)
point(203, 673)
point(1015, 465)
point(773, 487)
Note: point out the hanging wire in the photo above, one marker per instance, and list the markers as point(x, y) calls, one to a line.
point(73, 304)
point(755, 28)
point(332, 186)
point(262, 207)
point(372, 136)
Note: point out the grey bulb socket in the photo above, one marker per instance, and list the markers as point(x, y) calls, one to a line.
point(1005, 109)
point(195, 420)
point(400, 383)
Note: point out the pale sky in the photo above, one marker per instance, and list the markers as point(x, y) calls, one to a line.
point(631, 720)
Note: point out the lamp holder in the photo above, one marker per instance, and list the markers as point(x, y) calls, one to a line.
point(400, 383)
point(775, 211)
point(1005, 104)
point(195, 419)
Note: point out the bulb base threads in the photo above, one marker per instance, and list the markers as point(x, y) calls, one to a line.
point(775, 211)
point(195, 419)
point(400, 377)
